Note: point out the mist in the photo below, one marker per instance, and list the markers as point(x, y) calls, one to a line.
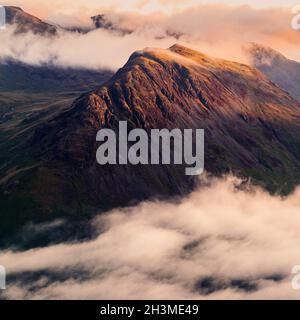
point(218, 30)
point(220, 242)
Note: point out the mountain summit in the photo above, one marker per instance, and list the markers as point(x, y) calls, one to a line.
point(251, 129)
point(26, 22)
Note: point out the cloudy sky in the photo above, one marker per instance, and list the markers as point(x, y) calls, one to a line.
point(219, 30)
point(50, 8)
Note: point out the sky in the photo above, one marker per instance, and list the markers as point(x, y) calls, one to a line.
point(46, 8)
point(218, 30)
point(210, 29)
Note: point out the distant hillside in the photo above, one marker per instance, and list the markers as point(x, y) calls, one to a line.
point(282, 71)
point(19, 76)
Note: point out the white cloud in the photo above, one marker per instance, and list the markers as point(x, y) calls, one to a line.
point(216, 30)
point(234, 239)
point(97, 49)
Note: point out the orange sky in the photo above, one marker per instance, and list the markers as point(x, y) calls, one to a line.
point(46, 8)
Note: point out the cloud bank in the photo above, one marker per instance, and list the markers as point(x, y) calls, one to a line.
point(219, 243)
point(218, 30)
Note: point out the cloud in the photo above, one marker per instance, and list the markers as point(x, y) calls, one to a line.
point(50, 8)
point(218, 30)
point(97, 49)
point(220, 242)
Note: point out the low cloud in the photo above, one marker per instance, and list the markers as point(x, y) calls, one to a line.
point(216, 30)
point(220, 242)
point(94, 50)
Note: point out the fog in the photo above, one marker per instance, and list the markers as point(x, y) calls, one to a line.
point(220, 242)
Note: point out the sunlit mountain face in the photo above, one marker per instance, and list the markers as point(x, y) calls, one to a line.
point(149, 231)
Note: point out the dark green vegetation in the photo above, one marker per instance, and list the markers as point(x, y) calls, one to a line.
point(29, 97)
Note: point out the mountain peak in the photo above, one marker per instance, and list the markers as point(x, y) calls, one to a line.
point(14, 8)
point(182, 50)
point(25, 22)
point(178, 46)
point(192, 60)
point(174, 49)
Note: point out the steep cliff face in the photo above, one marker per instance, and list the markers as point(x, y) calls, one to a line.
point(251, 128)
point(279, 69)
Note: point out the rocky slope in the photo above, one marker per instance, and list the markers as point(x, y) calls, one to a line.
point(279, 69)
point(251, 128)
point(25, 22)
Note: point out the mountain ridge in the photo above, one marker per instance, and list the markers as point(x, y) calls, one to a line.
point(142, 93)
point(251, 130)
point(279, 69)
point(25, 22)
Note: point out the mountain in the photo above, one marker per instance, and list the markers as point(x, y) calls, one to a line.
point(121, 28)
point(16, 75)
point(29, 97)
point(26, 22)
point(279, 69)
point(22, 85)
point(101, 21)
point(251, 129)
